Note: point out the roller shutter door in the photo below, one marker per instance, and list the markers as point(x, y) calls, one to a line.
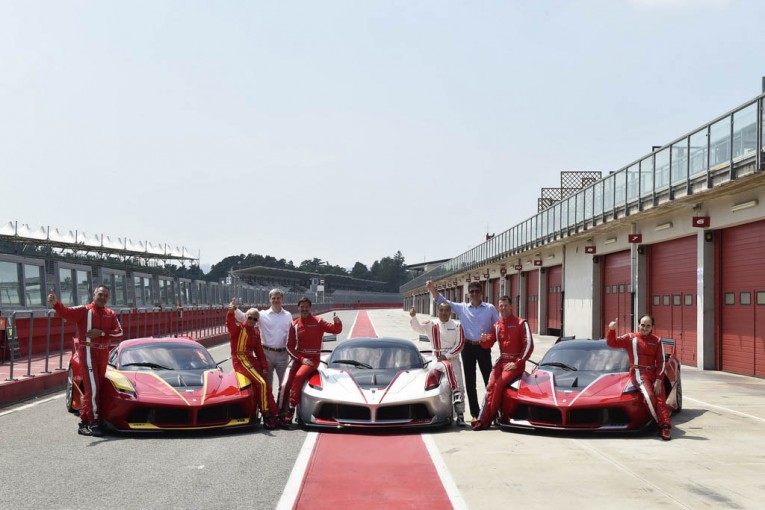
point(532, 300)
point(494, 290)
point(554, 286)
point(672, 291)
point(742, 300)
point(616, 292)
point(512, 291)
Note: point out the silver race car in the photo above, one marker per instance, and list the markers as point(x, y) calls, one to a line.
point(376, 382)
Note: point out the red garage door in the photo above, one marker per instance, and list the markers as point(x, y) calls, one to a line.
point(743, 299)
point(617, 292)
point(532, 300)
point(494, 290)
point(512, 291)
point(672, 291)
point(554, 286)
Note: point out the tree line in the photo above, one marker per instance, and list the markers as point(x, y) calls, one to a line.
point(390, 270)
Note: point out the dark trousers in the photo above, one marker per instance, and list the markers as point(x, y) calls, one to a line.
point(472, 354)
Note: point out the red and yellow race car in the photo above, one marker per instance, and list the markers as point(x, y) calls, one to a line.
point(585, 385)
point(166, 384)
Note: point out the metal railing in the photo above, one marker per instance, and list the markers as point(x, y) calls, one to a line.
point(716, 153)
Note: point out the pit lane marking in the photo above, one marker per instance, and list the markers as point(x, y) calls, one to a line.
point(295, 481)
point(739, 413)
point(586, 446)
point(452, 492)
point(28, 406)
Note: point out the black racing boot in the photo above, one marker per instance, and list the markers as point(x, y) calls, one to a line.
point(84, 429)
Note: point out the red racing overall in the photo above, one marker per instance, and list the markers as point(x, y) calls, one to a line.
point(93, 352)
point(515, 346)
point(646, 355)
point(304, 342)
point(245, 340)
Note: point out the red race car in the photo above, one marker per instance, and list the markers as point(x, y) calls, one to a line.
point(166, 384)
point(585, 385)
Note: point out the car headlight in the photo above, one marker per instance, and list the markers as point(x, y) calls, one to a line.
point(630, 388)
point(434, 380)
point(315, 381)
point(243, 381)
point(120, 382)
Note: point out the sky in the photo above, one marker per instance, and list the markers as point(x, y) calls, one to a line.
point(345, 130)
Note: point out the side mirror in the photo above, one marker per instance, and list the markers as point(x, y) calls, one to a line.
point(424, 338)
point(329, 338)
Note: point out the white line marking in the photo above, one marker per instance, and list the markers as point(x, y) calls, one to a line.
point(625, 469)
point(291, 490)
point(443, 473)
point(33, 404)
point(352, 334)
point(739, 413)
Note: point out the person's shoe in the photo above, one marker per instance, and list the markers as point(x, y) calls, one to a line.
point(457, 397)
point(475, 425)
point(665, 434)
point(96, 430)
point(84, 429)
point(268, 423)
point(460, 420)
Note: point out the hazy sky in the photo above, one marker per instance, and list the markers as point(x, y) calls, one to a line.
point(345, 130)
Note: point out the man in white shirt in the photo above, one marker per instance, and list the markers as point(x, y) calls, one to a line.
point(274, 325)
point(448, 340)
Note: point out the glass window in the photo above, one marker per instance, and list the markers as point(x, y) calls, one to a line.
point(597, 197)
point(608, 194)
point(608, 289)
point(760, 298)
point(730, 298)
point(633, 182)
point(679, 161)
point(83, 287)
point(646, 177)
point(620, 187)
point(66, 287)
point(719, 142)
point(656, 300)
point(745, 298)
point(118, 293)
point(661, 174)
point(698, 153)
point(580, 207)
point(745, 132)
point(33, 285)
point(621, 288)
point(676, 299)
point(665, 300)
point(10, 290)
point(613, 289)
point(138, 291)
point(147, 292)
point(688, 299)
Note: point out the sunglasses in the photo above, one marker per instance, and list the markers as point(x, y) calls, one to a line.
point(251, 318)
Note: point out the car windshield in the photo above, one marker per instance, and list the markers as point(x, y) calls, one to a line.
point(165, 356)
point(595, 358)
point(382, 356)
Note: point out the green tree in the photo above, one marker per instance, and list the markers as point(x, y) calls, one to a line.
point(360, 271)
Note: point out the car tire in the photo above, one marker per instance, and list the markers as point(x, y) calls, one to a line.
point(69, 397)
point(679, 395)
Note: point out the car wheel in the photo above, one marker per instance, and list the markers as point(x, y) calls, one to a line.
point(679, 395)
point(69, 398)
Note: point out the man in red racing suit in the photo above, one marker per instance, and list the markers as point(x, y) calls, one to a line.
point(304, 347)
point(248, 359)
point(515, 346)
point(98, 329)
point(646, 353)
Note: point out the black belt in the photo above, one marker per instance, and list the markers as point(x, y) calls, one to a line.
point(472, 342)
point(273, 349)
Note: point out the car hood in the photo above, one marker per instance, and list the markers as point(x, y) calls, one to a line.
point(192, 386)
point(375, 386)
point(568, 388)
